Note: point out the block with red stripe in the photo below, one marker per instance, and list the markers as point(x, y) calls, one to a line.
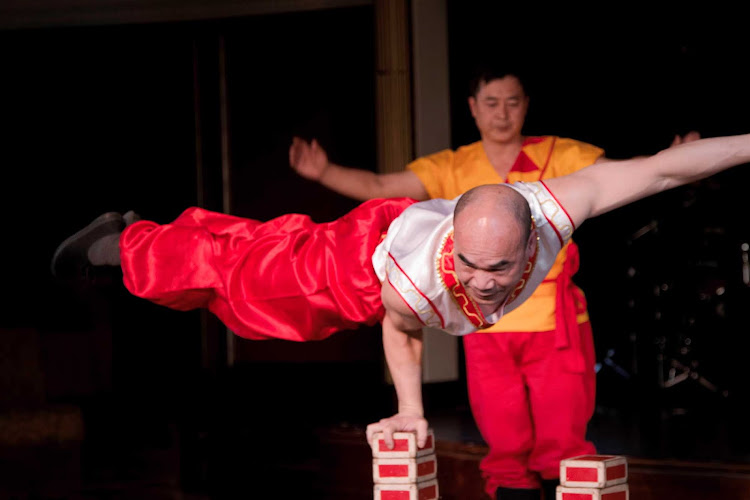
point(405, 445)
point(424, 490)
point(404, 470)
point(593, 471)
point(617, 492)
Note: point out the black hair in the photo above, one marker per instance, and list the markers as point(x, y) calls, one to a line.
point(494, 69)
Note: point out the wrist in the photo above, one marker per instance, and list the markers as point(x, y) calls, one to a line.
point(411, 410)
point(325, 170)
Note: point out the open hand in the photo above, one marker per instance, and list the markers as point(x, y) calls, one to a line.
point(308, 159)
point(689, 137)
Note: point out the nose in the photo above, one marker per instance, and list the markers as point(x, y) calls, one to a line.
point(482, 280)
point(502, 111)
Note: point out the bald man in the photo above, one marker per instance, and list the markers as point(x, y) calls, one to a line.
point(498, 254)
point(457, 265)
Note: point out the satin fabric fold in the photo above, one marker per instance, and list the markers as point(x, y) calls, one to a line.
point(570, 301)
point(289, 278)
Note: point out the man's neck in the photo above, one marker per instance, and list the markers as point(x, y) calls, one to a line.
point(488, 312)
point(502, 155)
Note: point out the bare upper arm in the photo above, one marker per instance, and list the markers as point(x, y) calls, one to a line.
point(604, 186)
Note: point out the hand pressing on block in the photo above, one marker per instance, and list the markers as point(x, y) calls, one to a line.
point(401, 444)
point(387, 428)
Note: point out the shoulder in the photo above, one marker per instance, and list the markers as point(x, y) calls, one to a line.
point(439, 159)
point(469, 153)
point(567, 146)
point(419, 218)
point(569, 155)
point(448, 157)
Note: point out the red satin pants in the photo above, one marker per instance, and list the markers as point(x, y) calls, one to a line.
point(288, 278)
point(531, 409)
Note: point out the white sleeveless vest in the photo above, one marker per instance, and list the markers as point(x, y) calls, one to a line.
point(416, 257)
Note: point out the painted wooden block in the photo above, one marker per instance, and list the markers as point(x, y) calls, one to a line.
point(617, 492)
point(593, 471)
point(424, 490)
point(404, 470)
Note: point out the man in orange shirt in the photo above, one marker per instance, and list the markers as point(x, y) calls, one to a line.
point(528, 429)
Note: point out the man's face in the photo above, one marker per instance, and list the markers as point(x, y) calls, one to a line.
point(499, 109)
point(490, 260)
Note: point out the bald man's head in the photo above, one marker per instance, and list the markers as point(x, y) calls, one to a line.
point(492, 243)
point(495, 200)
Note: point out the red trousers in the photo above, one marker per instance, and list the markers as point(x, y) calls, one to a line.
point(288, 278)
point(530, 407)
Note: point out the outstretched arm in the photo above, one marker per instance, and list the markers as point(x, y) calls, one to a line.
point(602, 187)
point(402, 343)
point(691, 136)
point(310, 160)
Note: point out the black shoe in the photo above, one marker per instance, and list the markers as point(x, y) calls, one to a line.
point(549, 488)
point(518, 494)
point(130, 217)
point(70, 259)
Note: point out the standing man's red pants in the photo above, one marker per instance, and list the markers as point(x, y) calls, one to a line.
point(530, 408)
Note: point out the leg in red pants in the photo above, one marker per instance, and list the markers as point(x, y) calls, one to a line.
point(288, 278)
point(530, 409)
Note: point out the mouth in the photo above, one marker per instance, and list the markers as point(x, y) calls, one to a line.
point(487, 296)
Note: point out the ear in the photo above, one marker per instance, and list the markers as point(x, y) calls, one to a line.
point(531, 244)
point(473, 106)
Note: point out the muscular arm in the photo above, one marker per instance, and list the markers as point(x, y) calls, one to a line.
point(605, 186)
point(311, 161)
point(402, 343)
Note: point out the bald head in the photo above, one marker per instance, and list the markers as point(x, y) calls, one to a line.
point(493, 204)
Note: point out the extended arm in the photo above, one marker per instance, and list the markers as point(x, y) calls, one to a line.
point(402, 343)
point(311, 161)
point(602, 187)
point(691, 136)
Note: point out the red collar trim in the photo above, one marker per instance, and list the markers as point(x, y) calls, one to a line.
point(447, 272)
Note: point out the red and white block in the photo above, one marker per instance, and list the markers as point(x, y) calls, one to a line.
point(405, 445)
point(593, 471)
point(424, 490)
point(404, 470)
point(617, 492)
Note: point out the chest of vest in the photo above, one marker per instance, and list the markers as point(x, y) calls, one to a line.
point(416, 258)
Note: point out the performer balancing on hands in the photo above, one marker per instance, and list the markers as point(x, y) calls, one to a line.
point(457, 265)
point(528, 428)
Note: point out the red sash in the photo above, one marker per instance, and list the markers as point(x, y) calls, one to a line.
point(569, 302)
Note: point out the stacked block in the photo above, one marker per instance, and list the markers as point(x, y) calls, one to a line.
point(593, 477)
point(405, 472)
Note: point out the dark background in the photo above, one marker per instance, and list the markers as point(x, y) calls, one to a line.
point(99, 118)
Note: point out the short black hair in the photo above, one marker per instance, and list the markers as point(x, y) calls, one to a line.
point(486, 71)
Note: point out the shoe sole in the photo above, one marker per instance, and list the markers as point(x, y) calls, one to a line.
point(113, 219)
